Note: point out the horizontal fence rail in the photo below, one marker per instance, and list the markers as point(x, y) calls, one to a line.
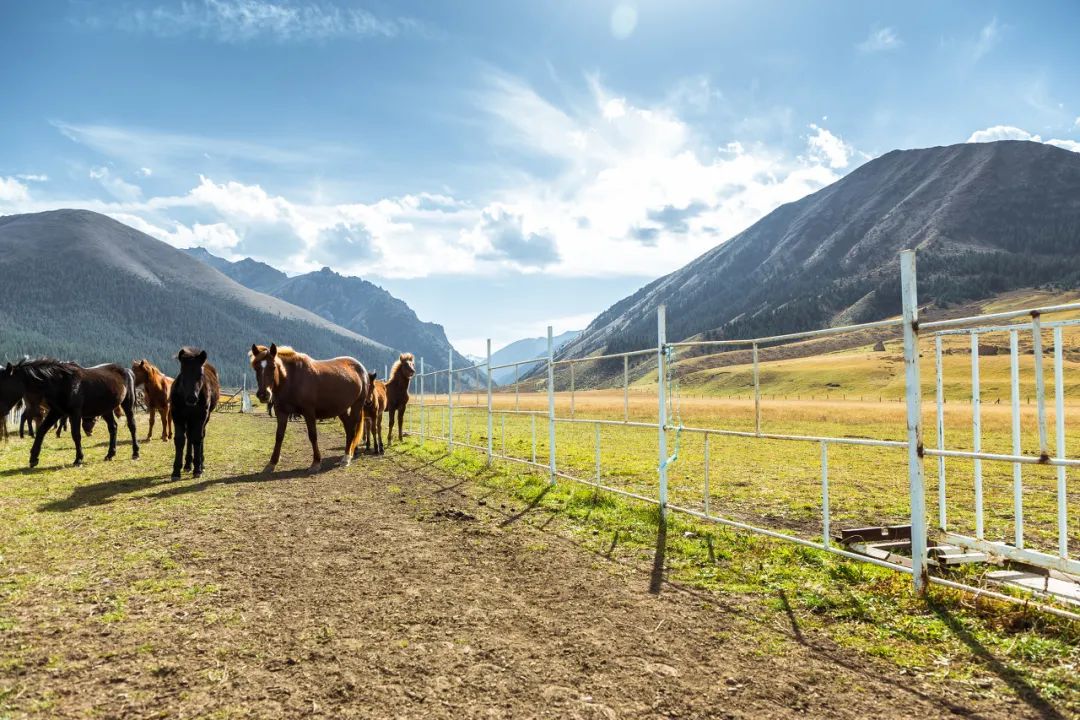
point(515, 434)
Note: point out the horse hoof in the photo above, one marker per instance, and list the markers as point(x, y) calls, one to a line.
point(346, 461)
point(196, 474)
point(269, 468)
point(33, 462)
point(77, 463)
point(107, 458)
point(176, 476)
point(315, 467)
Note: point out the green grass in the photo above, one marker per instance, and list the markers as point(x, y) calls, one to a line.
point(858, 606)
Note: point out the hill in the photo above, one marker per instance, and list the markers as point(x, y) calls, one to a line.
point(79, 285)
point(986, 218)
point(525, 349)
point(351, 302)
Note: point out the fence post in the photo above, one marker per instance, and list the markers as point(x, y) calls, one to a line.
point(450, 402)
point(626, 388)
point(551, 404)
point(913, 392)
point(757, 395)
point(421, 401)
point(489, 418)
point(661, 392)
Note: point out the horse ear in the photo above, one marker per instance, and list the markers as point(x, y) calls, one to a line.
point(202, 357)
point(180, 355)
point(9, 367)
point(273, 349)
point(254, 350)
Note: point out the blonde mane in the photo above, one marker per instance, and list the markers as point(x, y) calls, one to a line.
point(285, 352)
point(403, 358)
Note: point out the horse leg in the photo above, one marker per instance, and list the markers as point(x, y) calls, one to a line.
point(128, 406)
point(358, 424)
point(43, 428)
point(150, 432)
point(62, 425)
point(110, 422)
point(390, 432)
point(282, 423)
point(400, 422)
point(76, 437)
point(166, 421)
point(178, 447)
point(200, 435)
point(313, 437)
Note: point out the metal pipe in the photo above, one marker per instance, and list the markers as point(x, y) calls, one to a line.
point(490, 418)
point(661, 385)
point(825, 494)
point(757, 394)
point(940, 397)
point(1018, 487)
point(1040, 384)
point(790, 336)
point(551, 403)
point(913, 387)
point(450, 402)
point(571, 391)
point(706, 473)
point(421, 400)
point(1059, 424)
point(532, 418)
point(626, 388)
point(590, 358)
point(1035, 312)
point(597, 452)
point(976, 434)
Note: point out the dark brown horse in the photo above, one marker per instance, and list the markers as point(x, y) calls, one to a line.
point(313, 389)
point(156, 386)
point(73, 392)
point(373, 414)
point(397, 392)
point(192, 399)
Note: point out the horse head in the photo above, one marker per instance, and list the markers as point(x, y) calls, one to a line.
point(408, 365)
point(141, 369)
point(12, 388)
point(269, 370)
point(190, 381)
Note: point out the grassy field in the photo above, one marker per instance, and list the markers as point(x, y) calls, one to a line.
point(120, 589)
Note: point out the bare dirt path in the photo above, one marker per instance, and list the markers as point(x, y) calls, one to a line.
point(393, 591)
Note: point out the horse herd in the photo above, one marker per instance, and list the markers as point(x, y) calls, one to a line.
point(55, 392)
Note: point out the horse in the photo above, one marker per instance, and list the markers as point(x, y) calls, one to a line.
point(193, 396)
point(156, 386)
point(74, 392)
point(313, 389)
point(34, 413)
point(373, 413)
point(397, 392)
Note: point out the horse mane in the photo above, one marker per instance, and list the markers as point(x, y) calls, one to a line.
point(285, 352)
point(403, 358)
point(46, 369)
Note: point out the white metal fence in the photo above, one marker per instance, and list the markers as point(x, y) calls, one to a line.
point(436, 421)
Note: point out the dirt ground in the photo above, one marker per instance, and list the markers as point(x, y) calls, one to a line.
point(391, 590)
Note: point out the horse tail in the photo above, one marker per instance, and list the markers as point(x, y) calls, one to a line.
point(129, 386)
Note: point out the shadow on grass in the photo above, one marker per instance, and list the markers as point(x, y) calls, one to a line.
point(656, 575)
point(1023, 689)
point(102, 493)
point(528, 508)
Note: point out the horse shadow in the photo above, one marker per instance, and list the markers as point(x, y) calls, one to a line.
point(102, 493)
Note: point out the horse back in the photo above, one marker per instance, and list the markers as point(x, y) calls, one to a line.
point(104, 387)
point(213, 386)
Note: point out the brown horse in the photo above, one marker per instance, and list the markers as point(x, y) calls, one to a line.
point(156, 386)
point(313, 389)
point(397, 392)
point(373, 414)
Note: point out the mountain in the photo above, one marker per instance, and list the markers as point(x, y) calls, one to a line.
point(526, 349)
point(351, 302)
point(79, 285)
point(985, 218)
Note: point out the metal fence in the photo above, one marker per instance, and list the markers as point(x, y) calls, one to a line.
point(437, 413)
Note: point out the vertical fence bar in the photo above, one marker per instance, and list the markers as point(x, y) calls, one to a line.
point(976, 433)
point(421, 401)
point(517, 392)
point(661, 413)
point(757, 394)
point(825, 518)
point(532, 419)
point(551, 404)
point(450, 402)
point(490, 419)
point(940, 397)
point(598, 452)
point(626, 388)
point(1018, 487)
point(1040, 383)
point(502, 433)
point(913, 388)
point(571, 390)
point(706, 473)
point(1059, 444)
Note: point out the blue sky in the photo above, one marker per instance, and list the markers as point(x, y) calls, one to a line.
point(499, 165)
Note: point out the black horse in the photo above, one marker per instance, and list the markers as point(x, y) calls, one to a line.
point(73, 392)
point(194, 395)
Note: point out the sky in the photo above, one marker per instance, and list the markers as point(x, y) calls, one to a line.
point(500, 166)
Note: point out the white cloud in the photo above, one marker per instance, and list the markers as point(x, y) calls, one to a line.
point(13, 192)
point(1076, 124)
point(829, 148)
point(1008, 132)
point(237, 21)
point(623, 20)
point(114, 185)
point(988, 38)
point(33, 177)
point(880, 40)
point(145, 171)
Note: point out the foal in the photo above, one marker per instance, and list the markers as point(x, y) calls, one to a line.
point(156, 386)
point(397, 392)
point(373, 414)
point(192, 399)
